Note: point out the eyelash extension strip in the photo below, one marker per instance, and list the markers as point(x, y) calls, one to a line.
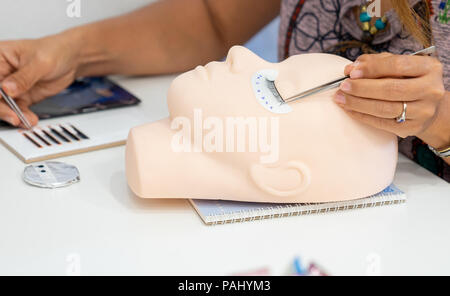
point(80, 133)
point(59, 135)
point(41, 138)
point(67, 132)
point(53, 139)
point(31, 140)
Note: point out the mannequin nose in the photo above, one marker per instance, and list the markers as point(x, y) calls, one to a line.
point(232, 60)
point(239, 58)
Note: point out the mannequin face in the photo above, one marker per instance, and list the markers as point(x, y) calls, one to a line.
point(307, 151)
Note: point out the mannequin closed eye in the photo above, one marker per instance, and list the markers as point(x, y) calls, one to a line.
point(264, 94)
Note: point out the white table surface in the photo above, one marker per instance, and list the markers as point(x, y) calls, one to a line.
point(99, 227)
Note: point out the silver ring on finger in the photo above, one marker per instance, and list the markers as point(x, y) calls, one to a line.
point(402, 117)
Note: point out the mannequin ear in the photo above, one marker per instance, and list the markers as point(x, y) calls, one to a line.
point(285, 180)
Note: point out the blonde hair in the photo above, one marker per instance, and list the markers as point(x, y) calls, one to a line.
point(417, 24)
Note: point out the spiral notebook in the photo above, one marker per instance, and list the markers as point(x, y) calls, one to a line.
point(223, 212)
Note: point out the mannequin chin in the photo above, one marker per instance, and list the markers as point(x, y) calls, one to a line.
point(227, 138)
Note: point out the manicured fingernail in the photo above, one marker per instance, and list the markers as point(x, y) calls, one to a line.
point(355, 74)
point(345, 86)
point(339, 98)
point(9, 87)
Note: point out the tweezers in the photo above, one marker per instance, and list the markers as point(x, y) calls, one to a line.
point(335, 83)
point(12, 104)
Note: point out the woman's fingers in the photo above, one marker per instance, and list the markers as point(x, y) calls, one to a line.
point(401, 129)
point(5, 70)
point(8, 115)
point(378, 108)
point(22, 80)
point(388, 89)
point(419, 110)
point(389, 65)
point(33, 119)
point(379, 85)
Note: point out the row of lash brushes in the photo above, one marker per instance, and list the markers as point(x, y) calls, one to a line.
point(54, 135)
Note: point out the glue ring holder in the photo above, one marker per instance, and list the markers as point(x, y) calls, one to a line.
point(51, 175)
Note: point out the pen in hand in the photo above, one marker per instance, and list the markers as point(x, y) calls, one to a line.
point(12, 104)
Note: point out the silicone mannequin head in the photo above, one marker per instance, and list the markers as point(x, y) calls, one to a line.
point(228, 138)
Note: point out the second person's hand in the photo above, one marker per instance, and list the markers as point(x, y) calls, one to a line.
point(380, 85)
point(31, 70)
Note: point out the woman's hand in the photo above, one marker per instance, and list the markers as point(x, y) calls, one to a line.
point(379, 85)
point(31, 70)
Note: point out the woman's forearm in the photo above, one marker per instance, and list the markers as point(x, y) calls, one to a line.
point(437, 134)
point(167, 36)
point(164, 37)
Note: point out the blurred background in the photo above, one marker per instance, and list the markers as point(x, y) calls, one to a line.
point(32, 19)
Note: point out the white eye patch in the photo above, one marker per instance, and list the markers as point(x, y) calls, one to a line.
point(264, 96)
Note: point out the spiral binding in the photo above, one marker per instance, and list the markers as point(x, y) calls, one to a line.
point(290, 210)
